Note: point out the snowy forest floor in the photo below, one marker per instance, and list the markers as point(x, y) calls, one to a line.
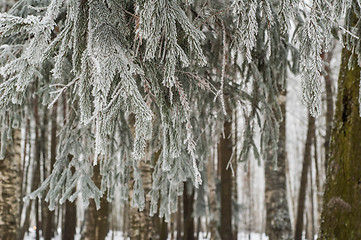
point(119, 236)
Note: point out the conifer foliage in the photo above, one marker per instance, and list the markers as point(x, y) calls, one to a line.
point(138, 79)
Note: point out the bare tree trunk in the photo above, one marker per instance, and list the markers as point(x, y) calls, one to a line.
point(318, 183)
point(142, 225)
point(69, 212)
point(69, 221)
point(97, 223)
point(341, 214)
point(188, 220)
point(224, 156)
point(278, 223)
point(10, 183)
point(304, 176)
point(212, 198)
point(172, 226)
point(69, 217)
point(26, 224)
point(329, 104)
point(310, 214)
point(36, 171)
point(179, 219)
point(45, 163)
point(126, 217)
point(234, 182)
point(24, 167)
point(163, 229)
point(49, 224)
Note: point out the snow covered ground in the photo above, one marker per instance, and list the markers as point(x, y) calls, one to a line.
point(119, 236)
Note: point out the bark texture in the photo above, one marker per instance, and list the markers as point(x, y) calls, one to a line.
point(341, 215)
point(141, 224)
point(304, 177)
point(10, 182)
point(278, 223)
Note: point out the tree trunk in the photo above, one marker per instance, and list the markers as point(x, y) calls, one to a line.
point(311, 209)
point(49, 224)
point(126, 217)
point(224, 155)
point(36, 171)
point(212, 198)
point(97, 224)
point(188, 220)
point(10, 183)
point(234, 180)
point(329, 104)
point(179, 219)
point(45, 162)
point(69, 217)
point(278, 223)
point(306, 165)
point(141, 224)
point(341, 215)
point(319, 186)
point(24, 167)
point(69, 221)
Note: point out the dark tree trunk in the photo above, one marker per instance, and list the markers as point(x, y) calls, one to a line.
point(278, 224)
point(163, 229)
point(224, 155)
point(36, 172)
point(69, 212)
point(188, 220)
point(341, 215)
point(45, 169)
point(305, 169)
point(97, 224)
point(69, 217)
point(329, 105)
point(69, 221)
point(179, 219)
point(234, 179)
point(49, 224)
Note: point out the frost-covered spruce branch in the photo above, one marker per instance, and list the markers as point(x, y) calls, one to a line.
point(105, 83)
point(123, 62)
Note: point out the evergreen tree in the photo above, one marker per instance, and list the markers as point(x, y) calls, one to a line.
point(154, 66)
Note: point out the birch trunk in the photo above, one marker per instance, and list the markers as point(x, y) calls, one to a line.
point(212, 198)
point(141, 224)
point(10, 183)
